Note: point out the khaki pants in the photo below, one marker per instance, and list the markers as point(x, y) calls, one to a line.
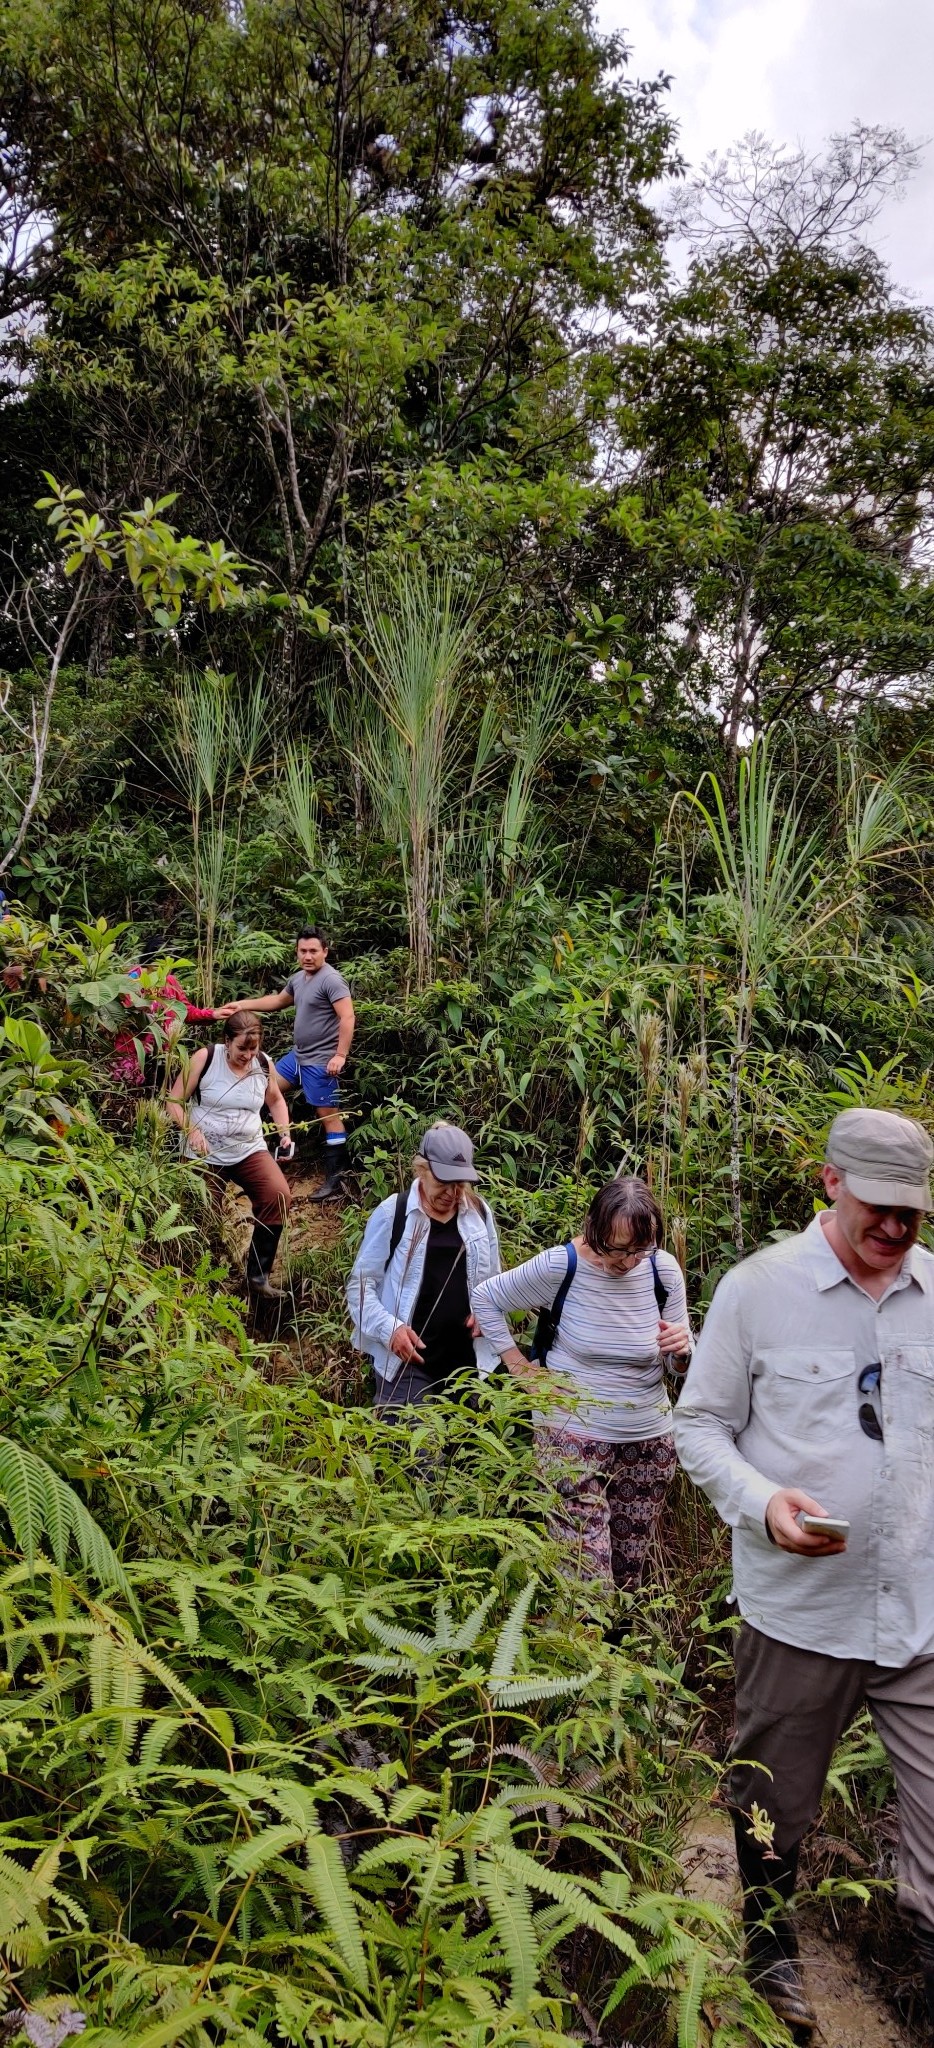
point(791, 1708)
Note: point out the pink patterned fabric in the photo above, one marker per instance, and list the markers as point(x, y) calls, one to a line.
point(611, 1498)
point(125, 1066)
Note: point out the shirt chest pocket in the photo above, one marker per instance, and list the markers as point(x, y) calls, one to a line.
point(908, 1390)
point(810, 1391)
point(913, 1358)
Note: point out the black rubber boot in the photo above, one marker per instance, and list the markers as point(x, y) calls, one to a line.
point(264, 1245)
point(771, 1940)
point(924, 1937)
point(333, 1181)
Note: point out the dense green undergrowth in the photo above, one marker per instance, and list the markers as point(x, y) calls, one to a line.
point(326, 1750)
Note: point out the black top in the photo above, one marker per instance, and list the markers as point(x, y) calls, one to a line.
point(443, 1305)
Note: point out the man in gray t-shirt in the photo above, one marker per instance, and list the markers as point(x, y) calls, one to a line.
point(324, 1028)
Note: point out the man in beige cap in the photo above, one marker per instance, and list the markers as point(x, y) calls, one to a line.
point(811, 1394)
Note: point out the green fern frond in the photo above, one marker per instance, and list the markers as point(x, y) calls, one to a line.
point(127, 1687)
point(384, 1667)
point(438, 1871)
point(179, 2023)
point(158, 1735)
point(509, 1640)
point(99, 1669)
point(624, 1984)
point(510, 1692)
point(523, 1799)
point(545, 1774)
point(251, 1856)
point(334, 1900)
point(555, 1885)
point(444, 1637)
point(466, 1636)
point(40, 1506)
point(689, 2002)
point(393, 1638)
point(408, 1801)
point(507, 1902)
point(183, 1593)
point(407, 1850)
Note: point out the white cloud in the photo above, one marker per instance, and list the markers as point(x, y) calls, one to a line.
point(799, 70)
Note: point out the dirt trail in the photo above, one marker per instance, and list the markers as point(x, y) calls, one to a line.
point(311, 1224)
point(850, 2011)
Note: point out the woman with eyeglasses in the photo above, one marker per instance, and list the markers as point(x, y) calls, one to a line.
point(410, 1293)
point(618, 1314)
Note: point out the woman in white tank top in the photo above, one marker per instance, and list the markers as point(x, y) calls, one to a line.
point(217, 1105)
point(610, 1451)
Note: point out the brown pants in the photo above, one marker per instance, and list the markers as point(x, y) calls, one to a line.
point(793, 1705)
point(263, 1182)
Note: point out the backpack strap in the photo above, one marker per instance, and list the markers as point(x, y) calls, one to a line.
point(196, 1091)
point(398, 1226)
point(546, 1329)
point(661, 1291)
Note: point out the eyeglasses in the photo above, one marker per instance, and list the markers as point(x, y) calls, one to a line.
point(870, 1421)
point(622, 1251)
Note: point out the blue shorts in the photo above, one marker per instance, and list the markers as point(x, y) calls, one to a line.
point(317, 1085)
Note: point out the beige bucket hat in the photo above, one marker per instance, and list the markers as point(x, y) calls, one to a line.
point(884, 1158)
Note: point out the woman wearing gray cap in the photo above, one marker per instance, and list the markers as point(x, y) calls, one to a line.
point(423, 1254)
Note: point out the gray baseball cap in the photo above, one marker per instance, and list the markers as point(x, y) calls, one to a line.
point(449, 1153)
point(885, 1158)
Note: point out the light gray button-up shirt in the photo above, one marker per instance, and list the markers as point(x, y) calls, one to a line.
point(771, 1400)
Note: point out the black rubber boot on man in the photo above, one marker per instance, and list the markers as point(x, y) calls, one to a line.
point(772, 1963)
point(264, 1245)
point(335, 1167)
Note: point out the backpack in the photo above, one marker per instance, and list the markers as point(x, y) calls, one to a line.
point(546, 1329)
point(196, 1091)
point(398, 1224)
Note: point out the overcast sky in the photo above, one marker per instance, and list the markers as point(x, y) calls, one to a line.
point(798, 70)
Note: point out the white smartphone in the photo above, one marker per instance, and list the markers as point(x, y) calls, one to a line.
point(823, 1525)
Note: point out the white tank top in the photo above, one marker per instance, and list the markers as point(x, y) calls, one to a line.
point(229, 1111)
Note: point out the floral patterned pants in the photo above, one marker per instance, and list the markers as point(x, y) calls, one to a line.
point(611, 1495)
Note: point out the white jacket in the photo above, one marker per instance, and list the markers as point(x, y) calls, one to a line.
point(380, 1298)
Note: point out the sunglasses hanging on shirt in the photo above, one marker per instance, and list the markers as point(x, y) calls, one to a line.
point(869, 1386)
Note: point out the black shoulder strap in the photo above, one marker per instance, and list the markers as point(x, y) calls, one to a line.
point(557, 1305)
point(196, 1091)
point(546, 1329)
point(398, 1225)
point(661, 1291)
point(263, 1058)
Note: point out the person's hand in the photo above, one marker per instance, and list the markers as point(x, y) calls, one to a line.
point(674, 1338)
point(285, 1148)
point(472, 1326)
point(227, 1009)
point(520, 1367)
point(197, 1141)
point(783, 1507)
point(406, 1343)
point(337, 1064)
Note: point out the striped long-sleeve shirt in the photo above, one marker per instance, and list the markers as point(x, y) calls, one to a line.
point(607, 1342)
